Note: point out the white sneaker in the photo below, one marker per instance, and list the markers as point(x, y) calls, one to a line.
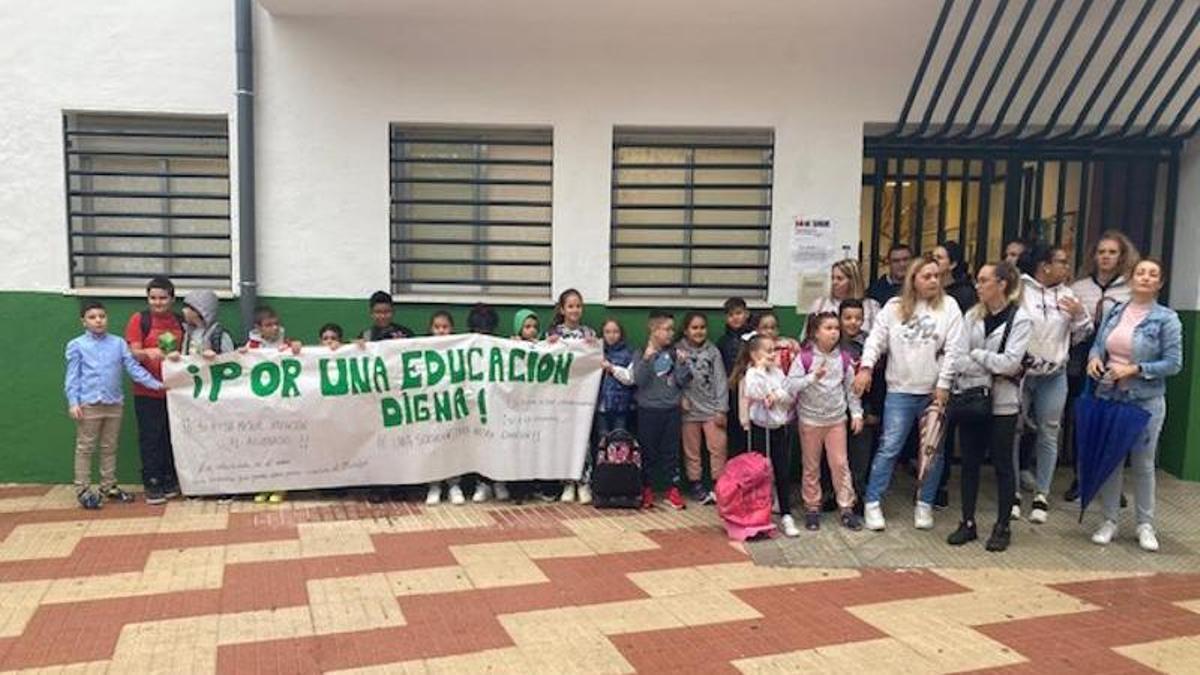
point(501, 491)
point(456, 495)
point(483, 492)
point(789, 526)
point(1016, 509)
point(435, 495)
point(1146, 537)
point(873, 516)
point(585, 494)
point(1040, 509)
point(923, 516)
point(568, 493)
point(1104, 535)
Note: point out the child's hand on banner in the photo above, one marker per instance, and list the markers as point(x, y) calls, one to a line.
point(208, 354)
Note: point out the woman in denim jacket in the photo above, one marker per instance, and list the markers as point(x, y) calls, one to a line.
point(1138, 346)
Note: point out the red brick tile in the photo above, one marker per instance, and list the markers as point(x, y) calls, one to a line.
point(91, 628)
point(263, 585)
point(10, 491)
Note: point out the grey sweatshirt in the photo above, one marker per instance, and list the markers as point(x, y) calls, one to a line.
point(660, 380)
point(983, 365)
point(824, 401)
point(198, 338)
point(707, 395)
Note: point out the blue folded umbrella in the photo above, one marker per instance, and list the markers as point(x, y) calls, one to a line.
point(1106, 431)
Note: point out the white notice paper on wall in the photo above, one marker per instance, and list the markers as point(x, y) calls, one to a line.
point(812, 254)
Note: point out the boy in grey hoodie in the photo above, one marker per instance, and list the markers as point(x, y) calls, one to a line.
point(203, 334)
point(661, 375)
point(705, 405)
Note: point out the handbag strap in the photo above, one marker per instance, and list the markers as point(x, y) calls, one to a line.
point(1008, 324)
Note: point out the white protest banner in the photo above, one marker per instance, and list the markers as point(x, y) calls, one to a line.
point(396, 412)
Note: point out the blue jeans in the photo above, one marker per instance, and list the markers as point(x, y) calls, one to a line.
point(1044, 397)
point(1141, 466)
point(900, 412)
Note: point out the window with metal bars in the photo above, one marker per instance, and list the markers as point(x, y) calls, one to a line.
point(471, 210)
point(147, 195)
point(691, 212)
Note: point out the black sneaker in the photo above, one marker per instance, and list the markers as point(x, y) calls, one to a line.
point(965, 533)
point(376, 496)
point(116, 494)
point(171, 491)
point(697, 492)
point(1000, 539)
point(851, 520)
point(155, 495)
point(1124, 501)
point(942, 500)
point(1072, 492)
point(89, 499)
point(829, 505)
point(812, 521)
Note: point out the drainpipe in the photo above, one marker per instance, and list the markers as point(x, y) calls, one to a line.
point(247, 265)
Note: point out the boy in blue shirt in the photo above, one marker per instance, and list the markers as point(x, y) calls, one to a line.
point(95, 399)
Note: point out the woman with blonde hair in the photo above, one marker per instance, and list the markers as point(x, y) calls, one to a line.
point(846, 282)
point(1105, 284)
point(922, 334)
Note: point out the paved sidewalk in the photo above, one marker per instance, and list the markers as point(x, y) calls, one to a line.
point(342, 586)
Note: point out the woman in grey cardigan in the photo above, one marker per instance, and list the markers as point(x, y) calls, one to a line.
point(997, 332)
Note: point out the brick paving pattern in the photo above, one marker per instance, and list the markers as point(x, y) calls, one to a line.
point(341, 586)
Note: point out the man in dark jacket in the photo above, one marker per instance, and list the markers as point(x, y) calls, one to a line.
point(888, 286)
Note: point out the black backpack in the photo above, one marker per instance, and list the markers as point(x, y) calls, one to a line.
point(617, 474)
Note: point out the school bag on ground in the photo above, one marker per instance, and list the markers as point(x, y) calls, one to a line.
point(744, 494)
point(617, 473)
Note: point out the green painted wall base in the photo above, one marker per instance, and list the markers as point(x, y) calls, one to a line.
point(37, 437)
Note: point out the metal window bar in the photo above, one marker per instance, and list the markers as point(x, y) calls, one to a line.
point(109, 195)
point(465, 209)
point(721, 195)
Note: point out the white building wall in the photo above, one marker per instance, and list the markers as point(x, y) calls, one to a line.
point(1185, 282)
point(330, 82)
point(171, 56)
point(329, 86)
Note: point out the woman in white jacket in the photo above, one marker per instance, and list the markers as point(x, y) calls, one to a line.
point(922, 333)
point(997, 333)
point(1059, 320)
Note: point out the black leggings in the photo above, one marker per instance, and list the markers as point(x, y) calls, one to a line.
point(779, 442)
point(978, 439)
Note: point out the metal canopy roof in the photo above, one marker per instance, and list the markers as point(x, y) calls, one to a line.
point(1077, 74)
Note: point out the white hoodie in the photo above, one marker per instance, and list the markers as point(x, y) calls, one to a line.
point(1054, 331)
point(922, 351)
point(756, 385)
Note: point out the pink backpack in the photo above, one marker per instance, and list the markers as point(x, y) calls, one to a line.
point(744, 493)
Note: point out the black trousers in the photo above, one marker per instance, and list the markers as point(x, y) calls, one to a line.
point(659, 433)
point(777, 445)
point(980, 438)
point(733, 424)
point(154, 442)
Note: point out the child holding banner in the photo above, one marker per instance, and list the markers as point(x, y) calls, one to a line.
point(95, 399)
point(151, 334)
point(382, 328)
point(268, 333)
point(484, 320)
point(527, 327)
point(661, 375)
point(442, 323)
point(567, 324)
